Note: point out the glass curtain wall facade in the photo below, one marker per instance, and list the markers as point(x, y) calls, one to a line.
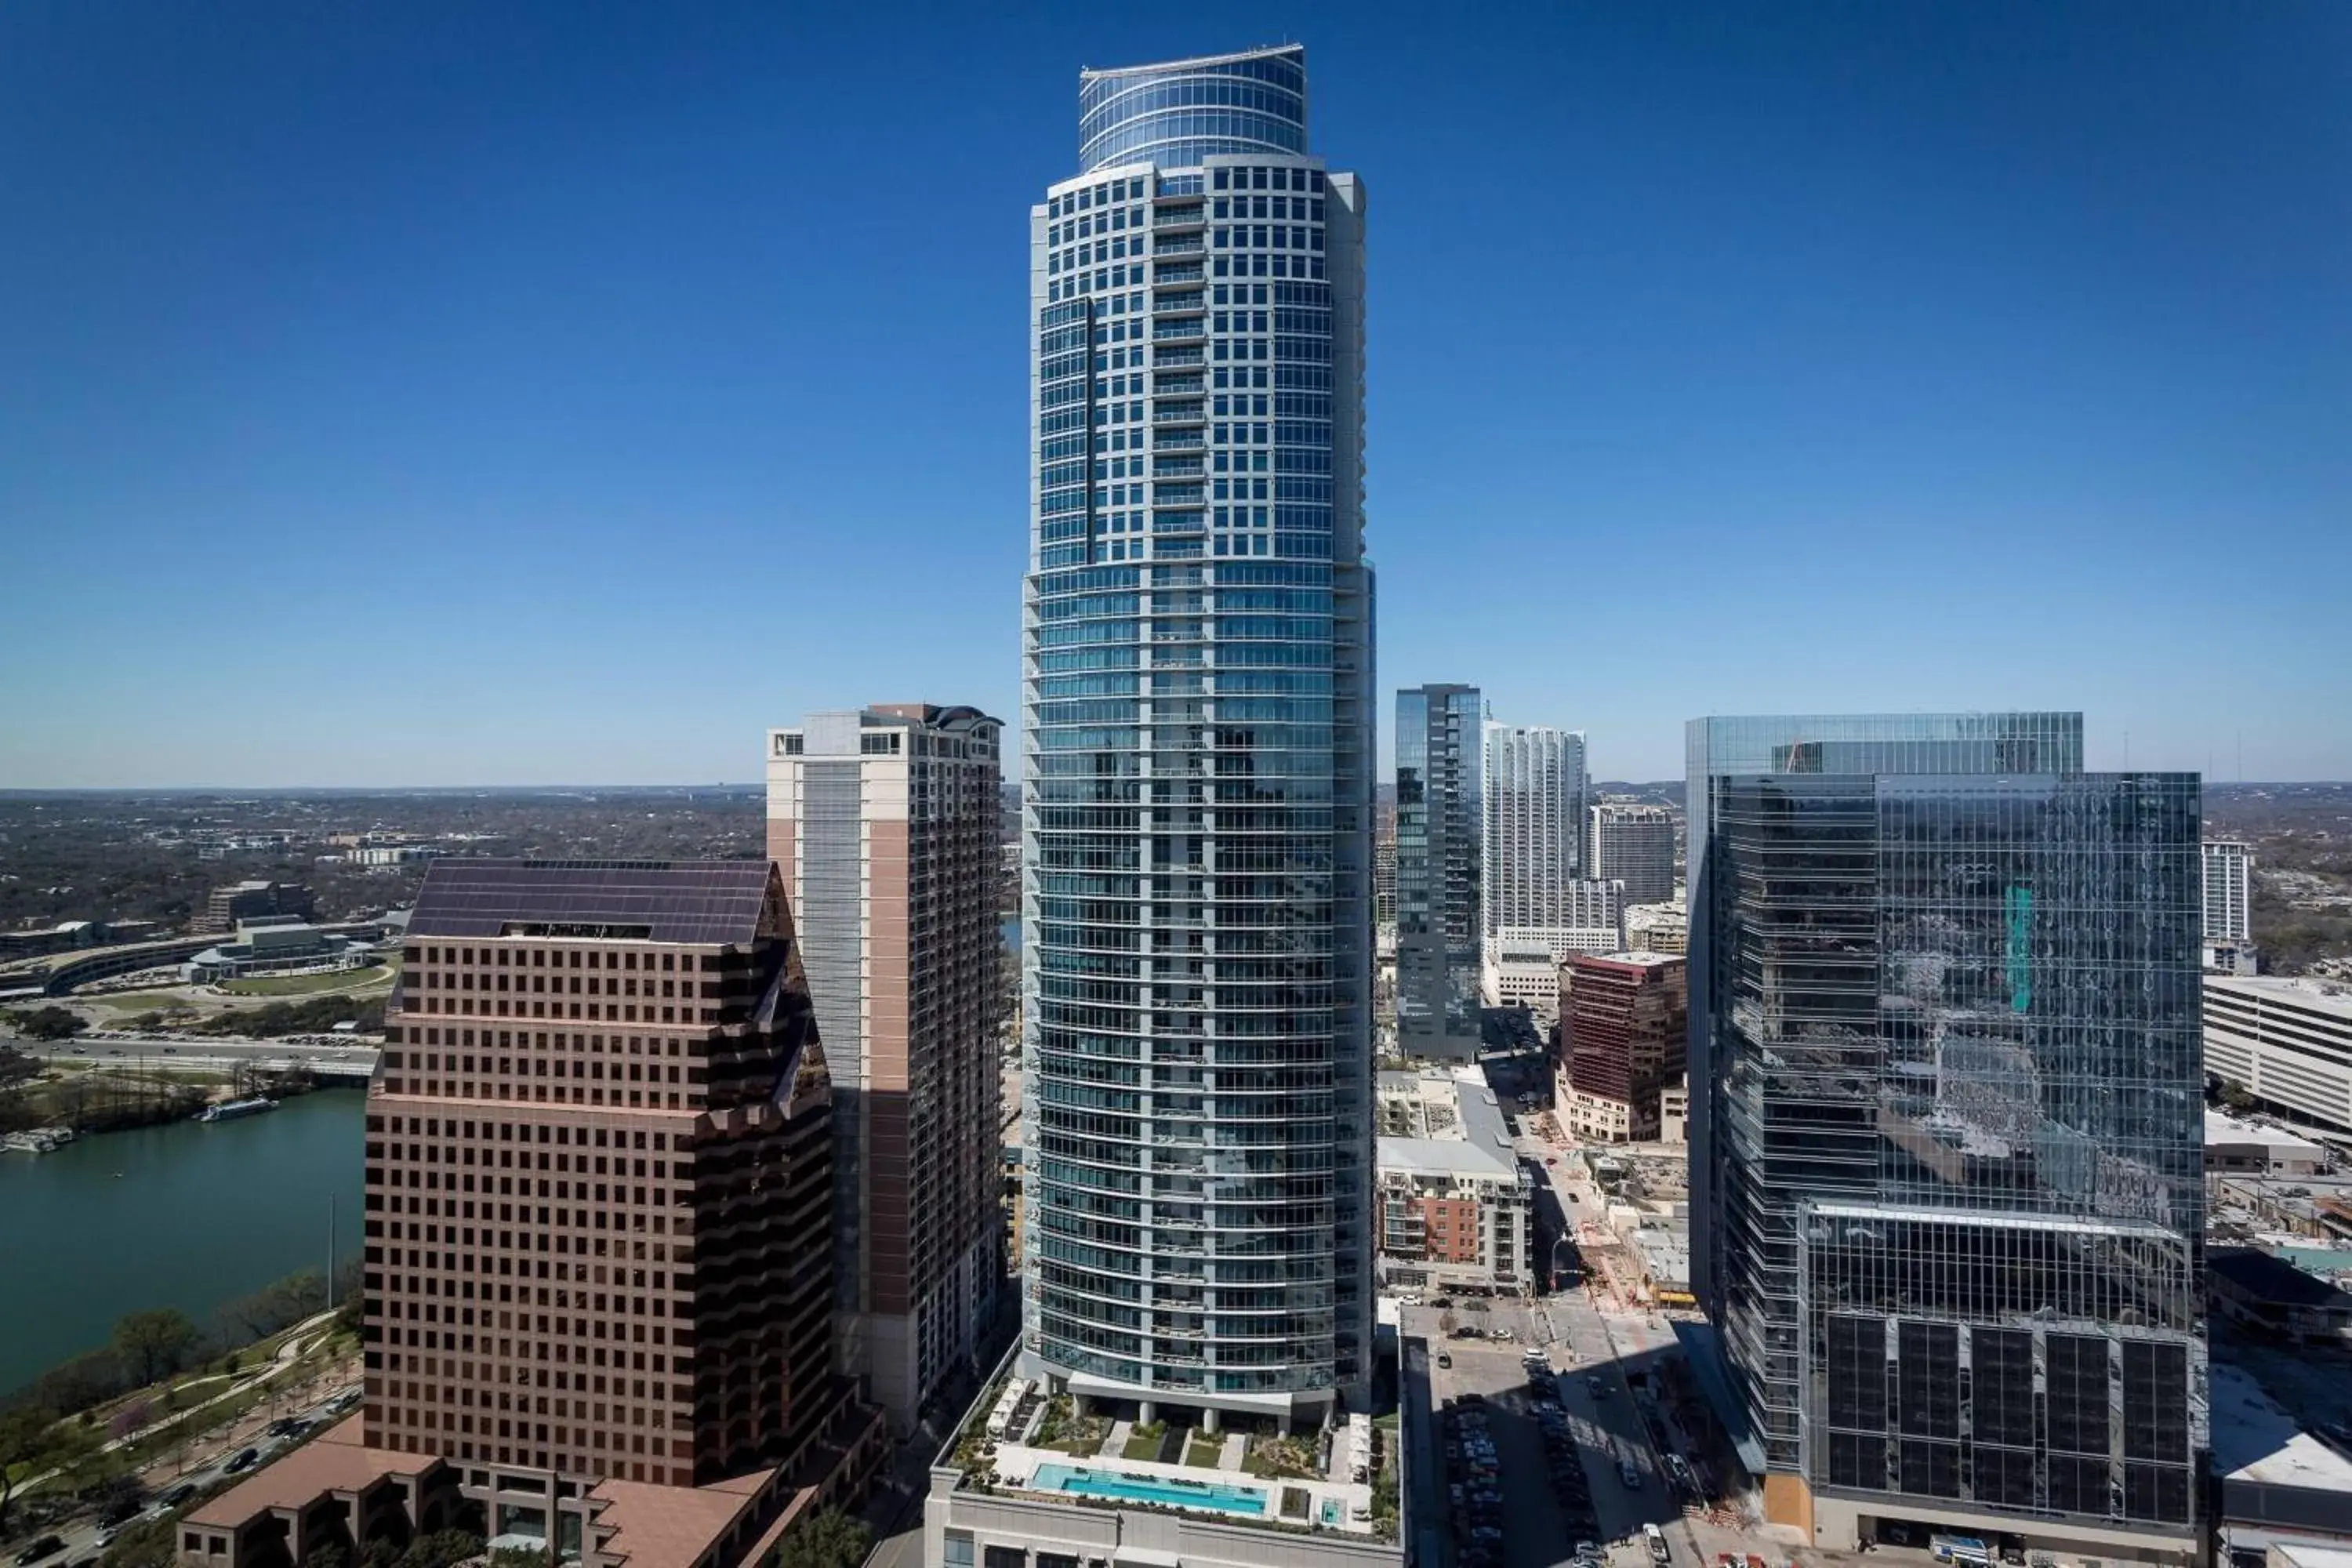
point(1440, 798)
point(1536, 795)
point(1197, 788)
point(1946, 1163)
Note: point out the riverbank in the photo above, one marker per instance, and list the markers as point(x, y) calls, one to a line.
point(187, 1214)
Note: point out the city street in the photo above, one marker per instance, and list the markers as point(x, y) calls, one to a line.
point(186, 1051)
point(202, 1464)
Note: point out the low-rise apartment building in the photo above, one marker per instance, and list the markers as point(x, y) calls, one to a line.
point(1456, 1212)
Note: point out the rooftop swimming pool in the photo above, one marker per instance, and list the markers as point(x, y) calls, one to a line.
point(1248, 1501)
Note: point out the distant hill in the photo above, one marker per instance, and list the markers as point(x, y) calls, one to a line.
point(1668, 792)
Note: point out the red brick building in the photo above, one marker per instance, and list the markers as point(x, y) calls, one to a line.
point(1623, 1022)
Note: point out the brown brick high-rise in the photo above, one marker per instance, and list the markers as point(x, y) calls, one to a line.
point(597, 1176)
point(1622, 1026)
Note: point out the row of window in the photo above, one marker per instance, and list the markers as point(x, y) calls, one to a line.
point(1255, 263)
point(1266, 179)
point(611, 1011)
point(557, 1134)
point(597, 985)
point(1221, 545)
point(546, 958)
point(1236, 237)
point(1094, 196)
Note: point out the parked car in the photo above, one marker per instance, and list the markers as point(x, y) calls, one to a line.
point(39, 1547)
point(1444, 1358)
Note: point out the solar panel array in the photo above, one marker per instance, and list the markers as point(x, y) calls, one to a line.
point(701, 901)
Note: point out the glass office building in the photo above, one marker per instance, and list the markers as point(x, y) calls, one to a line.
point(1440, 798)
point(1197, 784)
point(1947, 1159)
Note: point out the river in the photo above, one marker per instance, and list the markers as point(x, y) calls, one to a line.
point(187, 1216)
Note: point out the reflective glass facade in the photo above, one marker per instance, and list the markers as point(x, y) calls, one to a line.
point(1181, 114)
point(1536, 796)
point(1947, 1168)
point(1197, 787)
point(1440, 846)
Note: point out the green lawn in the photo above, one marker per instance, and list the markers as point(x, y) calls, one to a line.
point(1144, 1442)
point(305, 984)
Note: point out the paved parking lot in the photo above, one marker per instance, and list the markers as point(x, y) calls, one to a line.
point(1556, 1441)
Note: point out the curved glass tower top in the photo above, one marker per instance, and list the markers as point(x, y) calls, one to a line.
point(1175, 113)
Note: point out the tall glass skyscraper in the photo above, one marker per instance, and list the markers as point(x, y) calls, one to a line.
point(1197, 787)
point(1439, 750)
point(1947, 1159)
point(1536, 795)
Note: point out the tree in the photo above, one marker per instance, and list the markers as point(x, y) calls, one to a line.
point(442, 1549)
point(150, 1543)
point(78, 1384)
point(17, 1066)
point(275, 1306)
point(49, 1022)
point(78, 1453)
point(152, 1343)
point(831, 1540)
point(24, 1434)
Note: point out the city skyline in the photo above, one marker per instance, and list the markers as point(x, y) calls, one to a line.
point(325, 307)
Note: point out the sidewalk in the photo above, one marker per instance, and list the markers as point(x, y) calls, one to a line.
point(303, 1337)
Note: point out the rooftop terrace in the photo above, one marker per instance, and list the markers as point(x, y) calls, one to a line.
point(1019, 1440)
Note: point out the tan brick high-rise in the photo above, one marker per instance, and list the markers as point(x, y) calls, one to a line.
point(884, 824)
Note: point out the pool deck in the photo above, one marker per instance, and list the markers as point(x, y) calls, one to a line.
point(1016, 1467)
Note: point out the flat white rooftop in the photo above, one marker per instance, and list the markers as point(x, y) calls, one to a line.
point(2221, 1127)
point(2255, 1440)
point(2327, 997)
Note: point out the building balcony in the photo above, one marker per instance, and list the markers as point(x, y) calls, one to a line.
point(1167, 385)
point(1183, 329)
point(1163, 357)
point(1170, 275)
point(1178, 244)
point(1191, 413)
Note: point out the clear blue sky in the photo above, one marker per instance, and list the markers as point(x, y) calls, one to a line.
point(498, 393)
